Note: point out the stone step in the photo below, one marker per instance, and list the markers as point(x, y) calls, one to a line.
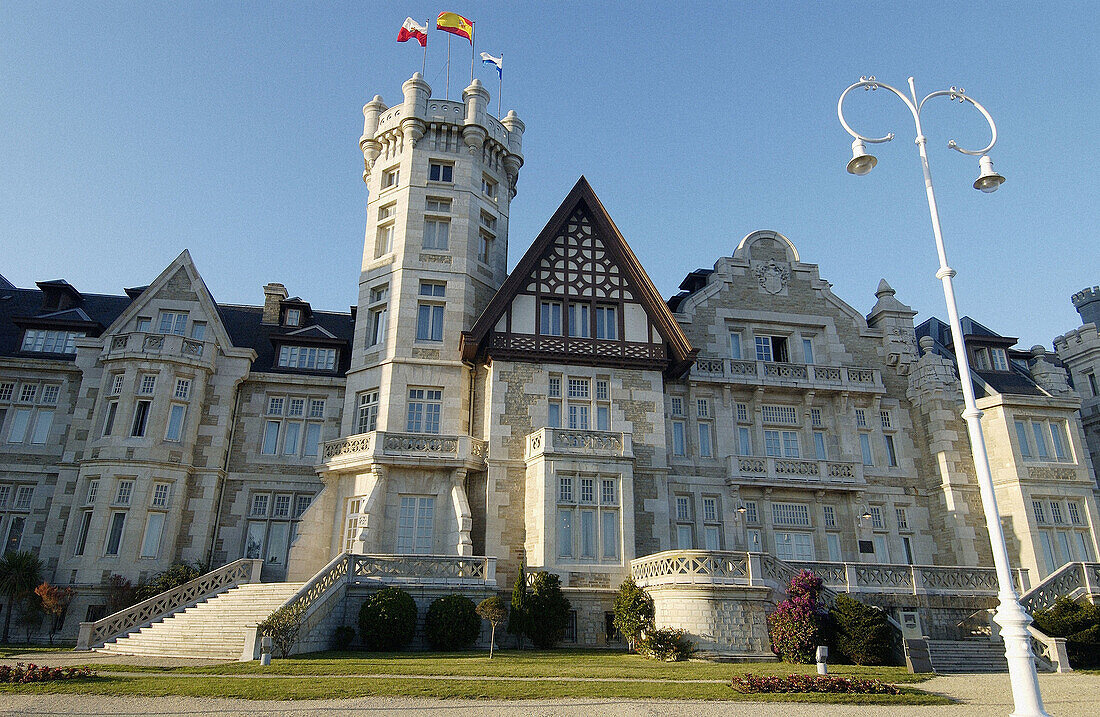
point(961, 656)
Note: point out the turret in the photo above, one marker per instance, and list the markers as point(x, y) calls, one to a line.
point(371, 147)
point(415, 108)
point(1087, 303)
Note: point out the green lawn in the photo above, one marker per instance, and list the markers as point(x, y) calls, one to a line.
point(12, 650)
point(520, 663)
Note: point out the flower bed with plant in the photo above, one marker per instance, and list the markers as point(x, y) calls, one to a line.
point(23, 673)
point(813, 683)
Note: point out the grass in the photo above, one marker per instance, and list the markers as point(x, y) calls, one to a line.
point(11, 650)
point(518, 663)
point(295, 688)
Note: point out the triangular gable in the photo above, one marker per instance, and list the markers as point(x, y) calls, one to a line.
point(315, 331)
point(181, 280)
point(580, 254)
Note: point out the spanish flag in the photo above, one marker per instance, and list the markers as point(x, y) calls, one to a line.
point(456, 25)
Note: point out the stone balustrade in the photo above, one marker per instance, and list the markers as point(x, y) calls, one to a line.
point(766, 469)
point(597, 444)
point(137, 344)
point(777, 373)
point(1073, 580)
point(422, 570)
point(697, 567)
point(388, 447)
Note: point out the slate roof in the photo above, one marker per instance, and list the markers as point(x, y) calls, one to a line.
point(241, 322)
point(1015, 381)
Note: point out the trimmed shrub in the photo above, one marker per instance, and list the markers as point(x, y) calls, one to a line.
point(862, 633)
point(495, 610)
point(666, 644)
point(633, 611)
point(813, 683)
point(796, 626)
point(387, 620)
point(452, 623)
point(547, 610)
point(517, 616)
point(343, 637)
point(283, 627)
point(1079, 623)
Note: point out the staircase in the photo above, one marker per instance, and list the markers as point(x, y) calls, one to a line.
point(214, 628)
point(955, 656)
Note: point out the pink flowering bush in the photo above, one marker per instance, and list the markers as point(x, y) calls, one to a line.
point(797, 626)
point(813, 683)
point(22, 673)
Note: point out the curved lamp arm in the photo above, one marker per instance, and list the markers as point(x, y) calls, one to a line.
point(870, 83)
point(959, 94)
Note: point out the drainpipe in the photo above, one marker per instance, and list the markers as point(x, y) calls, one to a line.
point(224, 474)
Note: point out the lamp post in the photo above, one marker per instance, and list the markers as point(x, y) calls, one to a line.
point(1011, 617)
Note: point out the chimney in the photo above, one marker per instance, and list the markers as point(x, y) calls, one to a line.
point(274, 293)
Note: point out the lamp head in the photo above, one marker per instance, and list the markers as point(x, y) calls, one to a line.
point(741, 509)
point(989, 180)
point(862, 162)
point(866, 515)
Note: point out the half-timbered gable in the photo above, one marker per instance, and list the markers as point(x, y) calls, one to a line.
point(580, 296)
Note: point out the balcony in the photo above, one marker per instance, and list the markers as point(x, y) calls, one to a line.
point(792, 375)
point(409, 449)
point(566, 441)
point(146, 345)
point(787, 471)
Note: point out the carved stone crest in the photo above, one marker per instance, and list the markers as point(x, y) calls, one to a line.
point(772, 275)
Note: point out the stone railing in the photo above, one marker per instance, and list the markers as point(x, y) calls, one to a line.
point(608, 444)
point(94, 634)
point(1072, 580)
point(423, 570)
point(368, 446)
point(158, 344)
point(697, 567)
point(839, 378)
point(909, 579)
point(795, 469)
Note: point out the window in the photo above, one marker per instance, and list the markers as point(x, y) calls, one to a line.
point(367, 417)
point(260, 502)
point(742, 413)
point(794, 546)
point(312, 444)
point(785, 415)
point(1040, 441)
point(93, 490)
point(82, 532)
point(23, 496)
point(779, 444)
point(437, 234)
point(485, 246)
point(886, 420)
point(577, 407)
point(143, 324)
point(124, 493)
point(685, 530)
point(429, 319)
point(1074, 513)
point(744, 441)
point(676, 406)
point(607, 326)
point(160, 495)
point(1056, 512)
point(50, 342)
point(882, 554)
point(150, 541)
point(706, 433)
point(390, 177)
point(425, 405)
point(19, 422)
point(876, 517)
point(807, 351)
point(383, 243)
point(828, 514)
point(565, 489)
point(172, 322)
point(819, 446)
point(28, 392)
point(1000, 359)
point(587, 491)
point(116, 384)
point(440, 172)
point(377, 310)
point(702, 408)
point(771, 348)
point(148, 385)
point(271, 438)
point(815, 418)
point(832, 540)
point(550, 318)
point(301, 504)
point(712, 529)
point(735, 345)
point(437, 205)
point(553, 391)
point(603, 406)
point(291, 436)
point(981, 359)
point(1021, 436)
point(183, 389)
point(1093, 388)
point(114, 533)
point(198, 330)
point(307, 357)
point(861, 418)
point(141, 418)
point(683, 507)
point(387, 211)
point(6, 390)
point(1040, 513)
point(176, 413)
point(269, 535)
point(43, 420)
point(902, 516)
point(751, 515)
point(293, 317)
point(678, 443)
point(489, 188)
point(50, 394)
point(865, 449)
point(891, 453)
point(580, 320)
point(1057, 439)
point(791, 514)
point(414, 524)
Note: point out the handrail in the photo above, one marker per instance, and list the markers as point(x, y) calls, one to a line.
point(94, 634)
point(1051, 650)
point(326, 579)
point(1063, 582)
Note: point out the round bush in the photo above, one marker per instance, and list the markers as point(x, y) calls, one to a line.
point(343, 637)
point(452, 623)
point(387, 620)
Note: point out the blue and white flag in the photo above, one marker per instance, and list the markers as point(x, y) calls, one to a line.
point(497, 62)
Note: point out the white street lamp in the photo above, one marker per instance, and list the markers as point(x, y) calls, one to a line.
point(1011, 617)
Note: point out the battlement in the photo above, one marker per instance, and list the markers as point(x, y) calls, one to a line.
point(1087, 303)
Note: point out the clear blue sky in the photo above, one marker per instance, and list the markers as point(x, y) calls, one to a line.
point(130, 131)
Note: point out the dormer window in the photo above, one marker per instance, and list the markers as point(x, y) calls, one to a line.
point(293, 317)
point(307, 357)
point(1000, 359)
point(50, 342)
point(981, 359)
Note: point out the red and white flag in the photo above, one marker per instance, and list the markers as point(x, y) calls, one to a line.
point(412, 31)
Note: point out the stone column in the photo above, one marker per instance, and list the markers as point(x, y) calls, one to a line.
point(463, 517)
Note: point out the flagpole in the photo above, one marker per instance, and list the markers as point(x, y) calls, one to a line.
point(471, 51)
point(424, 63)
point(500, 82)
point(448, 65)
